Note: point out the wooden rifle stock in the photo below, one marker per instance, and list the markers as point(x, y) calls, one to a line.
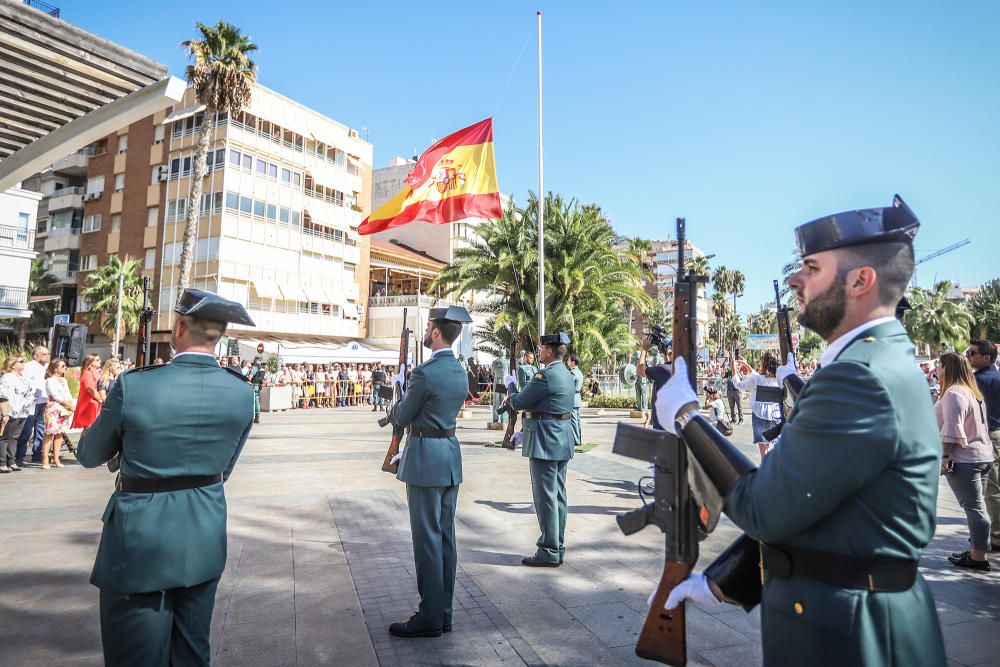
point(398, 432)
point(664, 635)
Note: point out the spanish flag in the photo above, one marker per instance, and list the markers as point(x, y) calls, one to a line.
point(455, 178)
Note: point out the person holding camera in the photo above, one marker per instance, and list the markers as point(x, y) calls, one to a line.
point(764, 415)
point(658, 374)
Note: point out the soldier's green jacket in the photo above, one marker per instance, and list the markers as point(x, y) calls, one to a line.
point(188, 417)
point(549, 390)
point(855, 472)
point(434, 395)
point(524, 374)
point(577, 387)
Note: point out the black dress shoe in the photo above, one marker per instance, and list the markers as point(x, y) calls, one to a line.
point(959, 555)
point(446, 627)
point(535, 561)
point(966, 561)
point(413, 628)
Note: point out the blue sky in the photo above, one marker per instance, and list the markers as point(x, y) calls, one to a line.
point(745, 119)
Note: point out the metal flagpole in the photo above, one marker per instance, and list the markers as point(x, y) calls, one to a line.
point(121, 295)
point(541, 196)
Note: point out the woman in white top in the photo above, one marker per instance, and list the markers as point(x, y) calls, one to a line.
point(17, 402)
point(58, 411)
point(765, 415)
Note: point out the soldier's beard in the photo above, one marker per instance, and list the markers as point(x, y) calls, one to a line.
point(824, 312)
point(427, 340)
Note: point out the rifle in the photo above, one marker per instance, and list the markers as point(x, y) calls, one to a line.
point(792, 386)
point(398, 432)
point(674, 510)
point(508, 435)
point(145, 317)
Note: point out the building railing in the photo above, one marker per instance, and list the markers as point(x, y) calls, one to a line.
point(14, 297)
point(62, 274)
point(51, 10)
point(16, 237)
point(56, 232)
point(75, 190)
point(281, 141)
point(400, 300)
point(293, 308)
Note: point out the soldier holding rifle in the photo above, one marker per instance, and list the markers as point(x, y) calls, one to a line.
point(844, 508)
point(431, 467)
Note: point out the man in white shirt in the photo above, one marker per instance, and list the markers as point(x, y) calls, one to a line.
point(34, 427)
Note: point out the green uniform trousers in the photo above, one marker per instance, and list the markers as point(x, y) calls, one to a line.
point(432, 524)
point(548, 491)
point(256, 400)
point(577, 428)
point(157, 629)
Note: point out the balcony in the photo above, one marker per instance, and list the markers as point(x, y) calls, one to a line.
point(66, 198)
point(17, 237)
point(62, 238)
point(14, 302)
point(407, 300)
point(64, 274)
point(74, 164)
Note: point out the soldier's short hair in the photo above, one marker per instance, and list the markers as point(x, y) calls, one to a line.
point(893, 262)
point(205, 332)
point(575, 359)
point(450, 331)
point(558, 350)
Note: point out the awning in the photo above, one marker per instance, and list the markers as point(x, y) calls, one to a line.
point(266, 289)
point(350, 310)
point(181, 114)
point(315, 294)
point(294, 292)
point(319, 353)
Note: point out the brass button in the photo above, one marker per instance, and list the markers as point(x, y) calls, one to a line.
point(799, 609)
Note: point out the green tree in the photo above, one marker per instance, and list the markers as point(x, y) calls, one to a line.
point(763, 322)
point(591, 288)
point(737, 284)
point(720, 308)
point(40, 283)
point(936, 321)
point(699, 266)
point(222, 75)
point(102, 294)
point(985, 309)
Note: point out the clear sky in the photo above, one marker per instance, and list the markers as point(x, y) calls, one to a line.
point(745, 118)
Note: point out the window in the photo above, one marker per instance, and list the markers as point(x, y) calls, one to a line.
point(258, 208)
point(272, 212)
point(296, 179)
point(261, 167)
point(247, 161)
point(176, 209)
point(122, 144)
point(95, 185)
point(286, 176)
point(214, 160)
point(152, 216)
point(232, 200)
point(211, 203)
point(116, 223)
point(245, 204)
point(158, 133)
point(295, 218)
point(150, 262)
point(283, 214)
point(234, 157)
point(88, 262)
point(24, 219)
point(91, 223)
point(119, 182)
point(272, 170)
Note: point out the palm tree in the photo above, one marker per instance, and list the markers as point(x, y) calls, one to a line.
point(737, 283)
point(720, 308)
point(763, 322)
point(102, 294)
point(698, 266)
point(40, 283)
point(936, 321)
point(222, 76)
point(985, 309)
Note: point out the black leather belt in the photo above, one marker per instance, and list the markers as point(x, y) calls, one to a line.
point(164, 484)
point(885, 575)
point(433, 433)
point(548, 415)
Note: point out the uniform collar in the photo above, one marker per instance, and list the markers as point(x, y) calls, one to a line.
point(443, 350)
point(553, 363)
point(197, 358)
point(834, 349)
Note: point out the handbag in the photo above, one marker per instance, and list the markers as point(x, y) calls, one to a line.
point(725, 428)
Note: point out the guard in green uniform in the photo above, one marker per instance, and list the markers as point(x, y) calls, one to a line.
point(844, 506)
point(257, 374)
point(178, 429)
point(526, 369)
point(431, 467)
point(573, 364)
point(548, 443)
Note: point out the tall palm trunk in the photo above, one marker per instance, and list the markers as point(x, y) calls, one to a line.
point(193, 211)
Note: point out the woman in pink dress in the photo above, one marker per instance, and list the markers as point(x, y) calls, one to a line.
point(89, 400)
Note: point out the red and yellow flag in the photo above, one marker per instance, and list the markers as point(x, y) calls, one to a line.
point(455, 178)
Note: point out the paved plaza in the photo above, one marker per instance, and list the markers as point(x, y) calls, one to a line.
point(320, 560)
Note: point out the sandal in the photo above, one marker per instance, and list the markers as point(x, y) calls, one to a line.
point(4, 469)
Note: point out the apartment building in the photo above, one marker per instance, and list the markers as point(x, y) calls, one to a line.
point(18, 210)
point(285, 192)
point(663, 259)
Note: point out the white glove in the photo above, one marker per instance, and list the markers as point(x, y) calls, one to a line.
point(510, 379)
point(516, 438)
point(694, 588)
point(397, 379)
point(396, 458)
point(786, 370)
point(674, 395)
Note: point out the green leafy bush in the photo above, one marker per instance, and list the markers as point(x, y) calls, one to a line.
point(616, 402)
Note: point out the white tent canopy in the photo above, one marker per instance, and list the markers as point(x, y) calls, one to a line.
point(320, 353)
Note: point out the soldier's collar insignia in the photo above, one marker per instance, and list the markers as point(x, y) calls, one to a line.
point(869, 339)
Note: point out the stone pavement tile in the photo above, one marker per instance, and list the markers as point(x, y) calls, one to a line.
point(625, 655)
point(614, 623)
point(749, 654)
point(255, 644)
point(262, 606)
point(333, 580)
point(741, 621)
point(554, 633)
point(706, 632)
point(973, 642)
point(331, 631)
point(314, 552)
